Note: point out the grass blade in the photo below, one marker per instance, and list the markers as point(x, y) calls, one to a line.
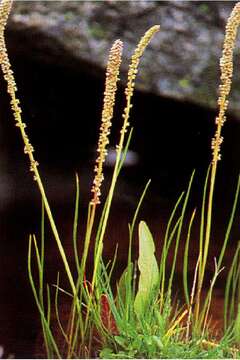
point(185, 259)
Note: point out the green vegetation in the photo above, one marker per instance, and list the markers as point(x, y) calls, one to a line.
point(140, 318)
point(184, 83)
point(97, 31)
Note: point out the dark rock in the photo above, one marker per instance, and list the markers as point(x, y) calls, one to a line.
point(182, 61)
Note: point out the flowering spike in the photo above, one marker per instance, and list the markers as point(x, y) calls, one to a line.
point(112, 74)
point(132, 72)
point(5, 7)
point(226, 67)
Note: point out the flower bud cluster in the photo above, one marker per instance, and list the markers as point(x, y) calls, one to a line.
point(132, 73)
point(5, 7)
point(226, 67)
point(112, 74)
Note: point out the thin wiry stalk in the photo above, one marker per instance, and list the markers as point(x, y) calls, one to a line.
point(226, 67)
point(179, 232)
point(75, 226)
point(57, 311)
point(129, 93)
point(112, 73)
point(49, 334)
point(5, 7)
point(192, 300)
point(228, 315)
point(230, 223)
point(185, 259)
point(203, 212)
point(207, 304)
point(166, 244)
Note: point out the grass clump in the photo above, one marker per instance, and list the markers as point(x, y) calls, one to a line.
point(140, 318)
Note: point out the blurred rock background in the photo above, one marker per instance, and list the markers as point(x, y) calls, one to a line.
point(59, 50)
point(183, 58)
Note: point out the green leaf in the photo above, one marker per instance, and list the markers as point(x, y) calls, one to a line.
point(237, 325)
point(158, 341)
point(148, 267)
point(123, 284)
point(120, 340)
point(107, 353)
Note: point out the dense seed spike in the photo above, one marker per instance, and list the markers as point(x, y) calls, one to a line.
point(226, 67)
point(112, 74)
point(5, 7)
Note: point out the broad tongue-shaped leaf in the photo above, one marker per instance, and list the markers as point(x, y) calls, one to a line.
point(148, 267)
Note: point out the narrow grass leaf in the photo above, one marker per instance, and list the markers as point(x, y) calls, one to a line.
point(185, 260)
point(237, 326)
point(230, 223)
point(179, 232)
point(51, 344)
point(75, 226)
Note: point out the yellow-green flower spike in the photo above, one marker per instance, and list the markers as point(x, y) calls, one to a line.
point(112, 74)
point(5, 7)
point(132, 72)
point(226, 67)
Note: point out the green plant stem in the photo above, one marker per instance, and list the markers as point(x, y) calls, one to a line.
point(185, 260)
point(202, 265)
point(45, 321)
point(75, 225)
point(108, 207)
point(179, 233)
point(104, 221)
point(55, 231)
point(166, 245)
point(90, 223)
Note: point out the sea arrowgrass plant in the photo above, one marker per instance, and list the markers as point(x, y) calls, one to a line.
point(198, 319)
point(5, 7)
point(226, 67)
point(140, 318)
point(133, 68)
point(112, 74)
point(78, 290)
